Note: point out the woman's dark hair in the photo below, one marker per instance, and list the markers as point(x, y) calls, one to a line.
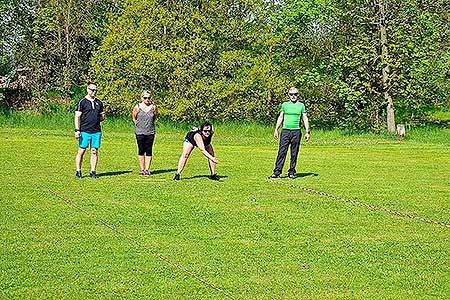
point(207, 124)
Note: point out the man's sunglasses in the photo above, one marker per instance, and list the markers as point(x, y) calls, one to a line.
point(93, 90)
point(146, 98)
point(293, 94)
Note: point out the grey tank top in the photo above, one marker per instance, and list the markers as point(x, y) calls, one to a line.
point(145, 122)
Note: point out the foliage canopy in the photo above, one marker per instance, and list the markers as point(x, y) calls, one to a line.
point(235, 59)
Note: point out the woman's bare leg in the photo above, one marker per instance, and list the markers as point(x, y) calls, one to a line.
point(187, 149)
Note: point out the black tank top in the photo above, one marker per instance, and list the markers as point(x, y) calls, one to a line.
point(190, 137)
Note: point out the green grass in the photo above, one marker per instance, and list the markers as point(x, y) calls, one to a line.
point(287, 244)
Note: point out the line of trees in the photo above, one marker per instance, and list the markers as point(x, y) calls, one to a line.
point(358, 64)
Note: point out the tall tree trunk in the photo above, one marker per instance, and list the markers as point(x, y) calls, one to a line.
point(384, 62)
point(67, 17)
point(269, 87)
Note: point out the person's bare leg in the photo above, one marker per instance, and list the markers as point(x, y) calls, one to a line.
point(94, 159)
point(148, 162)
point(141, 159)
point(187, 149)
point(79, 158)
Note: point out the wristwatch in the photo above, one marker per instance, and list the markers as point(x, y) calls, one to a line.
point(77, 130)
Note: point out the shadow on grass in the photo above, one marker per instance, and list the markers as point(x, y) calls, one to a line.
point(204, 176)
point(300, 175)
point(155, 172)
point(115, 173)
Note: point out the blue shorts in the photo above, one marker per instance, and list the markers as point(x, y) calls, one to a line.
point(92, 139)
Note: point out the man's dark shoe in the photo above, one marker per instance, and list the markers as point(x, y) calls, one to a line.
point(214, 177)
point(274, 176)
point(93, 175)
point(78, 175)
point(176, 177)
point(292, 176)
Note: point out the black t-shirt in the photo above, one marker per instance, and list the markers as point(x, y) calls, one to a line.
point(90, 115)
point(190, 138)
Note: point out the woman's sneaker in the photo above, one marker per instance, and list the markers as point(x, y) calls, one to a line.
point(214, 177)
point(176, 177)
point(93, 175)
point(142, 173)
point(146, 172)
point(78, 175)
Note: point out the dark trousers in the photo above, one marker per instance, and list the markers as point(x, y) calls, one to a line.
point(292, 138)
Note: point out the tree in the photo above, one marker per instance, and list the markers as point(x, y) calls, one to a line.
point(60, 41)
point(385, 66)
point(200, 59)
point(355, 77)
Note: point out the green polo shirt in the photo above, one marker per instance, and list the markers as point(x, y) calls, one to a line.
point(292, 114)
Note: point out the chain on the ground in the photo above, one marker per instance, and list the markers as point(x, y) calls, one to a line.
point(365, 205)
point(137, 243)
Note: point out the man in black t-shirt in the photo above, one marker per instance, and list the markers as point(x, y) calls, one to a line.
point(88, 115)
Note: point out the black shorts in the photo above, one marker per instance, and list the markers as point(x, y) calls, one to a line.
point(145, 144)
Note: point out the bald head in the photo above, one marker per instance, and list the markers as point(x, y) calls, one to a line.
point(293, 94)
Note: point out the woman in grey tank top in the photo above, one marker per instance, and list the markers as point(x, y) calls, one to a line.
point(144, 116)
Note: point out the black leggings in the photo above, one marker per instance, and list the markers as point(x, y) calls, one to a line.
point(145, 144)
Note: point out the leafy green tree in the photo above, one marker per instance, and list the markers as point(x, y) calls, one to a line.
point(343, 70)
point(61, 38)
point(420, 81)
point(200, 59)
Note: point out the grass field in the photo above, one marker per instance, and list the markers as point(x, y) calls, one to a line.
point(129, 237)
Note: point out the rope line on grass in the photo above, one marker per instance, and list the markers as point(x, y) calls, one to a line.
point(138, 244)
point(365, 205)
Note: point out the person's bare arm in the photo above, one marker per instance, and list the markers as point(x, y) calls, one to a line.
point(201, 147)
point(306, 123)
point(155, 111)
point(102, 114)
point(134, 114)
point(77, 124)
point(279, 123)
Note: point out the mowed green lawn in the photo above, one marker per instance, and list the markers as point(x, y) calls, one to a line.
point(129, 237)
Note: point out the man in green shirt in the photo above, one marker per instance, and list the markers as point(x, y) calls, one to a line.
point(292, 112)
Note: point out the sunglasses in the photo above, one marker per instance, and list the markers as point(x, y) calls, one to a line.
point(146, 98)
point(293, 94)
point(206, 131)
point(93, 90)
